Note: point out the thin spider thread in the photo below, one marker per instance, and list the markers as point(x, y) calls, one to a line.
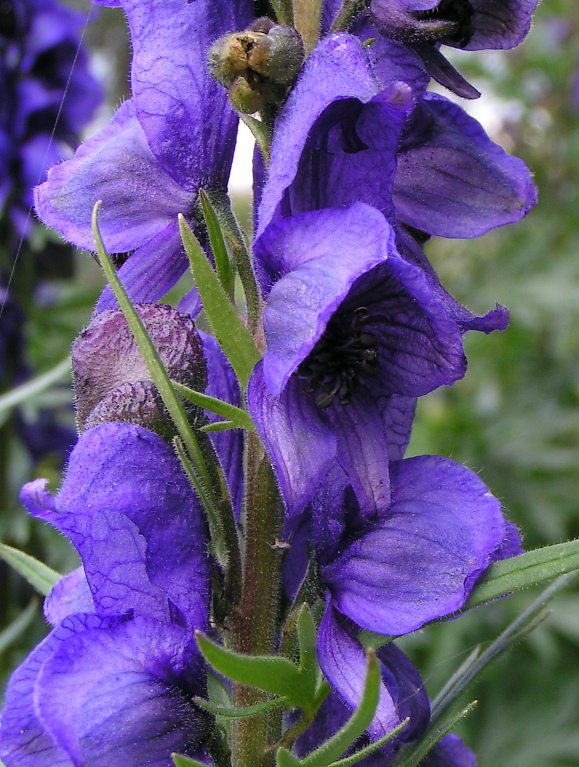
point(51, 139)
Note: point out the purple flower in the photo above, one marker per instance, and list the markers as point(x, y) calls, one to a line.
point(114, 680)
point(470, 24)
point(175, 135)
point(359, 126)
point(417, 563)
point(354, 333)
point(402, 695)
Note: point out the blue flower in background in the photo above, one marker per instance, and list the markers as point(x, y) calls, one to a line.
point(48, 96)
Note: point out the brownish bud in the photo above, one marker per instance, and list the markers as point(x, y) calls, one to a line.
point(111, 380)
point(259, 65)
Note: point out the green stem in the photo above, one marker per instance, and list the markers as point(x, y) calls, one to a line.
point(253, 623)
point(348, 12)
point(307, 17)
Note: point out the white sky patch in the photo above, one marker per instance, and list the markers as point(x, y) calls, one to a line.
point(240, 181)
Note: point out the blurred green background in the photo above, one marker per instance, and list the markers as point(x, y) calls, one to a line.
point(514, 418)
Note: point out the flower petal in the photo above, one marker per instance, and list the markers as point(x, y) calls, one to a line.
point(343, 661)
point(300, 444)
point(337, 69)
point(115, 166)
point(319, 256)
point(452, 180)
point(122, 695)
point(151, 271)
point(420, 562)
point(128, 508)
point(190, 126)
point(24, 741)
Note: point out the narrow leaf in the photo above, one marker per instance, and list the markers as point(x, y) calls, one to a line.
point(35, 386)
point(219, 426)
point(39, 576)
point(285, 758)
point(234, 415)
point(200, 476)
point(261, 134)
point(364, 752)
point(245, 711)
point(527, 569)
point(233, 336)
point(427, 743)
point(18, 626)
point(515, 631)
point(356, 725)
point(217, 242)
point(307, 640)
point(185, 761)
point(274, 674)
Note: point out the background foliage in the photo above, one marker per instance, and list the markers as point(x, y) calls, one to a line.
point(514, 418)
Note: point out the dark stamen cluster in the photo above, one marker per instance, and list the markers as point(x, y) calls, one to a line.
point(459, 11)
point(344, 353)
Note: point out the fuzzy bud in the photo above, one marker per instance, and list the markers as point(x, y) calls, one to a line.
point(257, 66)
point(111, 380)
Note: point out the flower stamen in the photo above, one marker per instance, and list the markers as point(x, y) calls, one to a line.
point(345, 353)
point(458, 11)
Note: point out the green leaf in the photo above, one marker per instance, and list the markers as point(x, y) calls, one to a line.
point(200, 476)
point(217, 242)
point(274, 674)
point(529, 569)
point(476, 664)
point(364, 752)
point(34, 386)
point(239, 418)
point(18, 626)
point(261, 134)
point(39, 576)
point(242, 712)
point(285, 758)
point(185, 761)
point(233, 336)
point(427, 743)
point(307, 640)
point(356, 725)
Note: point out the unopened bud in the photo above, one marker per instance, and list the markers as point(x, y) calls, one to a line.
point(259, 65)
point(111, 380)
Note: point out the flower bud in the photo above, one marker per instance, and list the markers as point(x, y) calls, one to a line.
point(257, 66)
point(111, 380)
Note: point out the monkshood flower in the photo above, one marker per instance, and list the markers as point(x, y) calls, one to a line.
point(471, 24)
point(358, 126)
point(417, 563)
point(174, 136)
point(354, 333)
point(113, 682)
point(48, 95)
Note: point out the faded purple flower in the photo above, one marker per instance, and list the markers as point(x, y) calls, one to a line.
point(175, 135)
point(113, 682)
